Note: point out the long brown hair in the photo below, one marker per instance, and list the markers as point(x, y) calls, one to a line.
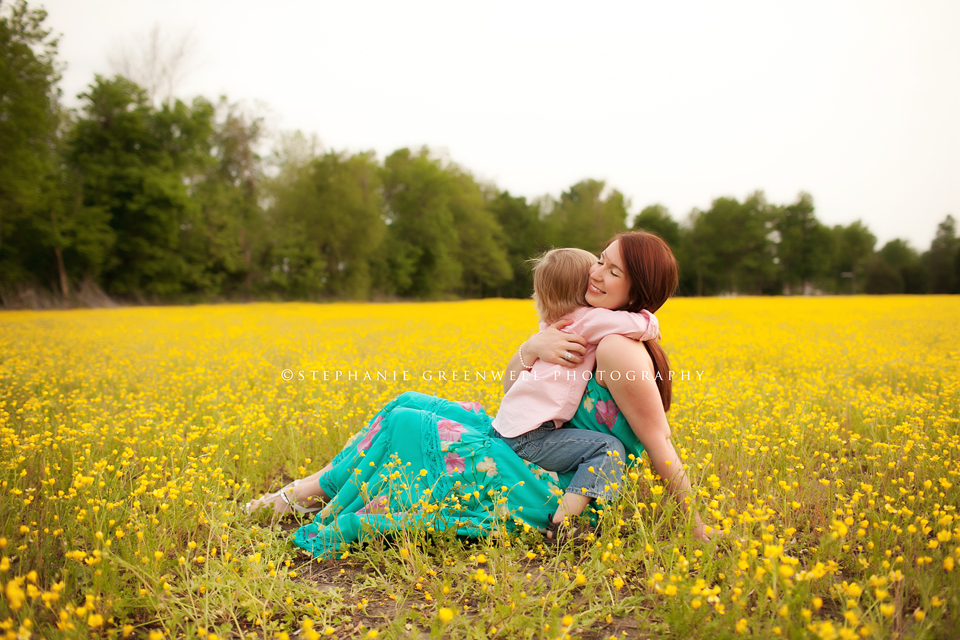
point(653, 272)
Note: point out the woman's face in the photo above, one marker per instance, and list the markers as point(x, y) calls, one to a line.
point(609, 286)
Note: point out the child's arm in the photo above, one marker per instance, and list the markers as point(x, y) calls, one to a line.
point(550, 345)
point(598, 323)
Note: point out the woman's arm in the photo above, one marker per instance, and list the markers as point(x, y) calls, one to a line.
point(639, 400)
point(548, 345)
point(513, 371)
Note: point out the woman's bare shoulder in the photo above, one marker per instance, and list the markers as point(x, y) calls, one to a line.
point(619, 353)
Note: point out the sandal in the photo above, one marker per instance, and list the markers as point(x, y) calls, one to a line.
point(286, 493)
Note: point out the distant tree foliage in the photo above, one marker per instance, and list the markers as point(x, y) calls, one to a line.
point(943, 259)
point(656, 219)
point(153, 199)
point(133, 161)
point(586, 216)
point(29, 117)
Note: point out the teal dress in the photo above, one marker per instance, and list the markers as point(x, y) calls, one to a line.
point(428, 463)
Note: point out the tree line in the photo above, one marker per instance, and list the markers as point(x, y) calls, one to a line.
point(169, 201)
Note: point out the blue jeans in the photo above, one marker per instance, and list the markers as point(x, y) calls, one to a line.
point(597, 458)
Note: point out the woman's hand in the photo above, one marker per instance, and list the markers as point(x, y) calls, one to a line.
point(702, 532)
point(552, 345)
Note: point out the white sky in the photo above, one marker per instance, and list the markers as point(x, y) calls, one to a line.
point(670, 102)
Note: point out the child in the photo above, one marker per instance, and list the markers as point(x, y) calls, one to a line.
point(546, 396)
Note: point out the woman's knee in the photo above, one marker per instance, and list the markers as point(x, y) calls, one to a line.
point(407, 397)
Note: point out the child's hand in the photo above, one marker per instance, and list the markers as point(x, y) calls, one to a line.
point(556, 347)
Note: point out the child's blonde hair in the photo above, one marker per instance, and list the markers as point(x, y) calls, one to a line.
point(560, 279)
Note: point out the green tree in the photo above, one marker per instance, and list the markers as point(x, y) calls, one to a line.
point(584, 218)
point(853, 249)
point(732, 250)
point(523, 238)
point(329, 224)
point(906, 262)
point(942, 259)
point(803, 250)
point(881, 278)
point(423, 242)
point(133, 163)
point(233, 222)
point(656, 219)
point(79, 237)
point(481, 253)
point(28, 123)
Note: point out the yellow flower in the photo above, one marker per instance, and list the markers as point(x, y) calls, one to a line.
point(15, 595)
point(446, 614)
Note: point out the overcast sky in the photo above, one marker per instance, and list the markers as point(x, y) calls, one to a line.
point(670, 102)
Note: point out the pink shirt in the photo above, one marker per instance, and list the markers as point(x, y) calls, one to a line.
point(552, 391)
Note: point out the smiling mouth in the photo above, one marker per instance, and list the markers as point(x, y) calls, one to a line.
point(596, 289)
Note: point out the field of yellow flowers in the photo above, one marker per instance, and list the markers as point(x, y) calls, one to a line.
point(821, 435)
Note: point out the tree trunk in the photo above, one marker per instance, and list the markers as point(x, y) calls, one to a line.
point(247, 259)
point(64, 285)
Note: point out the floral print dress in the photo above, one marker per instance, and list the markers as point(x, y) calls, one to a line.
point(429, 463)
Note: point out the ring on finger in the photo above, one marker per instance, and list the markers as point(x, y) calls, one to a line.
point(568, 356)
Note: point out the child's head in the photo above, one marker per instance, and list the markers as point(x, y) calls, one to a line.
point(560, 279)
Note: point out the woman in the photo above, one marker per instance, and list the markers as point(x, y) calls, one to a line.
point(430, 463)
point(636, 271)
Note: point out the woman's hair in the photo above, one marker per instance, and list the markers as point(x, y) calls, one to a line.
point(652, 269)
point(560, 280)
